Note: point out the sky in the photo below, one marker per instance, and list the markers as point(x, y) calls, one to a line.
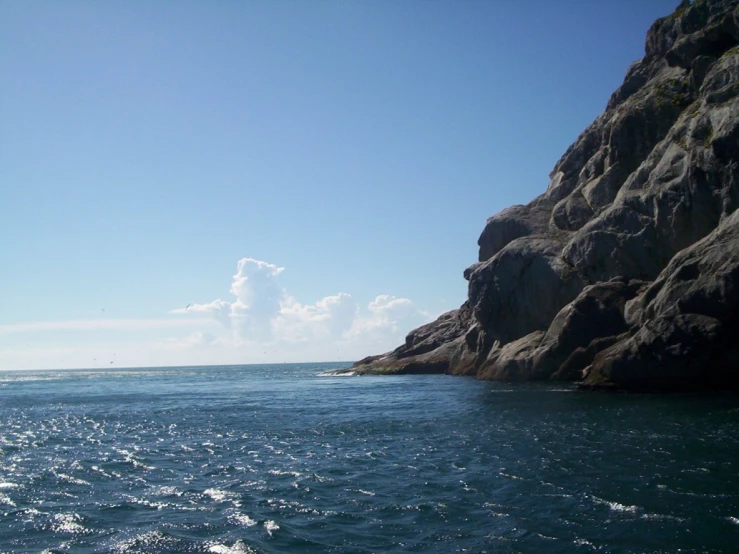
point(192, 183)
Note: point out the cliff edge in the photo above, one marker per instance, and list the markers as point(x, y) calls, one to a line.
point(625, 272)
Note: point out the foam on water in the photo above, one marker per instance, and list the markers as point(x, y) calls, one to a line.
point(68, 523)
point(271, 527)
point(218, 495)
point(236, 548)
point(615, 506)
point(242, 519)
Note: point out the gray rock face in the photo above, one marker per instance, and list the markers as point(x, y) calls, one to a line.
point(647, 194)
point(510, 224)
point(595, 315)
point(521, 288)
point(688, 323)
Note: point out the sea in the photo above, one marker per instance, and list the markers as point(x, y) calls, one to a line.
point(290, 458)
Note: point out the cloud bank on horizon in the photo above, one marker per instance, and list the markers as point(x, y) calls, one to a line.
point(261, 322)
point(263, 312)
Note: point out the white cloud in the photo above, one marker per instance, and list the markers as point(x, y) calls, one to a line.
point(263, 313)
point(391, 308)
point(329, 318)
point(339, 312)
point(387, 322)
point(262, 323)
point(258, 299)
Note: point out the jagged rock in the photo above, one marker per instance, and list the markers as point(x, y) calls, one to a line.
point(597, 314)
point(513, 361)
point(572, 213)
point(648, 192)
point(721, 82)
point(576, 365)
point(427, 349)
point(522, 288)
point(689, 323)
point(510, 224)
point(636, 77)
point(585, 154)
point(711, 36)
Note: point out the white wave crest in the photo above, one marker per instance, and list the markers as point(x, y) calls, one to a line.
point(237, 548)
point(242, 519)
point(271, 526)
point(68, 523)
point(218, 495)
point(615, 506)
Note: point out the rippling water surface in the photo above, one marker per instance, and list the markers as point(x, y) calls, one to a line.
point(281, 459)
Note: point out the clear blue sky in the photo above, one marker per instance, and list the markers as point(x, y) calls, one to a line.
point(147, 147)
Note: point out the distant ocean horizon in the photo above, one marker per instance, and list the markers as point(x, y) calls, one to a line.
point(289, 458)
point(339, 363)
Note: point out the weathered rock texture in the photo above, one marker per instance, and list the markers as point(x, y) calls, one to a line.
point(625, 272)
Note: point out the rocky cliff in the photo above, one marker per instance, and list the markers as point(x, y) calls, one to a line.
point(625, 272)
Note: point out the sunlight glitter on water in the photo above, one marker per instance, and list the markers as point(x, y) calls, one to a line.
point(279, 459)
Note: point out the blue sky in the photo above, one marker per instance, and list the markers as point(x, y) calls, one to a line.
point(147, 147)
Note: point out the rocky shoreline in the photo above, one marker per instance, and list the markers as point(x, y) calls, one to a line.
point(624, 274)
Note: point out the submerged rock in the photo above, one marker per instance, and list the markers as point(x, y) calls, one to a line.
point(623, 272)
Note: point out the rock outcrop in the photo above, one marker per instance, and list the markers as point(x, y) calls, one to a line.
point(624, 272)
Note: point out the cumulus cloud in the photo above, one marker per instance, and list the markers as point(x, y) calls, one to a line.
point(391, 308)
point(258, 298)
point(262, 323)
point(329, 317)
point(386, 321)
point(262, 312)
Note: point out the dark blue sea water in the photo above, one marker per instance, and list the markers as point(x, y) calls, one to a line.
point(281, 459)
